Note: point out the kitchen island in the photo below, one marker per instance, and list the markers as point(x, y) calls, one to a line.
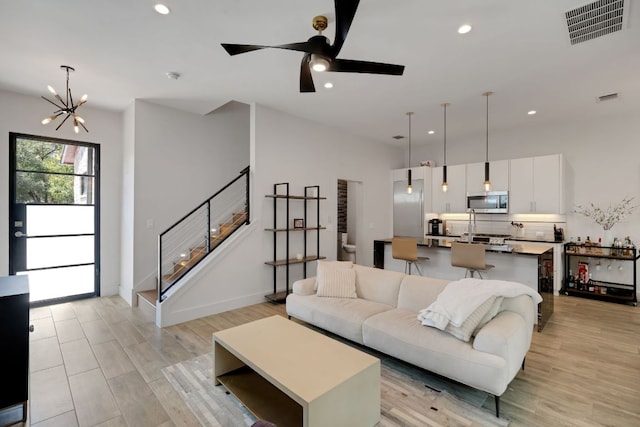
point(529, 264)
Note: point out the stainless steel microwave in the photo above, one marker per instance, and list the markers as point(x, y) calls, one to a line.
point(489, 202)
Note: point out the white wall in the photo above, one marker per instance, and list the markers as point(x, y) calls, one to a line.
point(127, 212)
point(301, 152)
point(601, 161)
point(22, 114)
point(174, 161)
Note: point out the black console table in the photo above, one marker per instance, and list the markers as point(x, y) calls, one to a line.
point(14, 336)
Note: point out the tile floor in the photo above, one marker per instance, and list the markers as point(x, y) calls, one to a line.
point(98, 362)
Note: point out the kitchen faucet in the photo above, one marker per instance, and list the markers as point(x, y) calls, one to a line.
point(471, 228)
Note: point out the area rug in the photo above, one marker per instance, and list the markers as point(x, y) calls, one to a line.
point(409, 397)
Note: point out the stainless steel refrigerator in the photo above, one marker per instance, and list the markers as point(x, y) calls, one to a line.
point(408, 209)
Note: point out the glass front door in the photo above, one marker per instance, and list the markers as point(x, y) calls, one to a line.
point(54, 220)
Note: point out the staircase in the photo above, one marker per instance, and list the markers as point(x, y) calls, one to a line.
point(198, 234)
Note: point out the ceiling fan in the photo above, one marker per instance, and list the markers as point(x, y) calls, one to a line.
point(320, 55)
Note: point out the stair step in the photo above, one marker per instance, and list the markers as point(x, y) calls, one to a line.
point(239, 217)
point(197, 253)
point(151, 296)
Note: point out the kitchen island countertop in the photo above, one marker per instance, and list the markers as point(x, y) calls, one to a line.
point(444, 242)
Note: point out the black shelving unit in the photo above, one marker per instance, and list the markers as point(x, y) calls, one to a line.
point(311, 199)
point(598, 288)
point(14, 357)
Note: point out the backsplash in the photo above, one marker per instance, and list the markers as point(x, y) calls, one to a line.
point(530, 227)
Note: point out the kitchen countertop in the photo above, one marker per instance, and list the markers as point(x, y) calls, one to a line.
point(510, 248)
point(517, 239)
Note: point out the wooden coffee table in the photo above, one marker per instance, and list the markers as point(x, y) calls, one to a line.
point(290, 375)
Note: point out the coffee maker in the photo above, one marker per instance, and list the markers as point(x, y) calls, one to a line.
point(436, 227)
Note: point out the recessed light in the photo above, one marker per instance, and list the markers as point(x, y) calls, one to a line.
point(532, 112)
point(328, 85)
point(431, 132)
point(464, 29)
point(161, 9)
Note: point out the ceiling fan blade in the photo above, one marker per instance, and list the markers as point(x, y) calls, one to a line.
point(307, 47)
point(306, 79)
point(236, 49)
point(345, 11)
point(351, 66)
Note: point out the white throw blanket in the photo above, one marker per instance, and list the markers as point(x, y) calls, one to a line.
point(461, 298)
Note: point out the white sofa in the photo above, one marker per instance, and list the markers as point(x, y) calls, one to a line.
point(384, 317)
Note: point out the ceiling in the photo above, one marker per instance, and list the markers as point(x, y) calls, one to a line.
point(519, 49)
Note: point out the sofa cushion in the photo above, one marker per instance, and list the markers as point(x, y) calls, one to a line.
point(337, 283)
point(342, 316)
point(398, 333)
point(417, 292)
point(378, 285)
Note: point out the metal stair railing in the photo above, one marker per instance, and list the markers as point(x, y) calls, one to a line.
point(187, 242)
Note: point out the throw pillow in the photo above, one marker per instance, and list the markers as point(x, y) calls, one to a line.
point(337, 283)
point(464, 331)
point(323, 265)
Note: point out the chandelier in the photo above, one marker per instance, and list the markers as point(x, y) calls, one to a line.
point(66, 107)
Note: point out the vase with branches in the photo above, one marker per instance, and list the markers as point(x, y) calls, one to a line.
point(610, 216)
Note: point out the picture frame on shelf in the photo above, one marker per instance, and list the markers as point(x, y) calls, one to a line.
point(298, 223)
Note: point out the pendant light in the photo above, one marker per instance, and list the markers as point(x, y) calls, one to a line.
point(445, 186)
point(409, 186)
point(487, 182)
point(66, 107)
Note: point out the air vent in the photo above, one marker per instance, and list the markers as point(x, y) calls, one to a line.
point(398, 137)
point(594, 20)
point(609, 97)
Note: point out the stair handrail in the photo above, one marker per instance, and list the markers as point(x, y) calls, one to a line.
point(244, 173)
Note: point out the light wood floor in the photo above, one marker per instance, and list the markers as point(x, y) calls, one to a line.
point(98, 362)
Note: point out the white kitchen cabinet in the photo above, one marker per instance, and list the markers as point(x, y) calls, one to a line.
point(455, 198)
point(537, 185)
point(498, 175)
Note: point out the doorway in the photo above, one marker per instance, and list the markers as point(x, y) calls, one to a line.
point(54, 219)
point(349, 201)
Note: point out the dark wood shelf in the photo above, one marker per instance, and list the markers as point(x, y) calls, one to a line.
point(263, 399)
point(294, 260)
point(295, 229)
point(605, 256)
point(607, 296)
point(278, 297)
point(284, 196)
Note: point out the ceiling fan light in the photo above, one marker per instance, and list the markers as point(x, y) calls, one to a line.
point(319, 63)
